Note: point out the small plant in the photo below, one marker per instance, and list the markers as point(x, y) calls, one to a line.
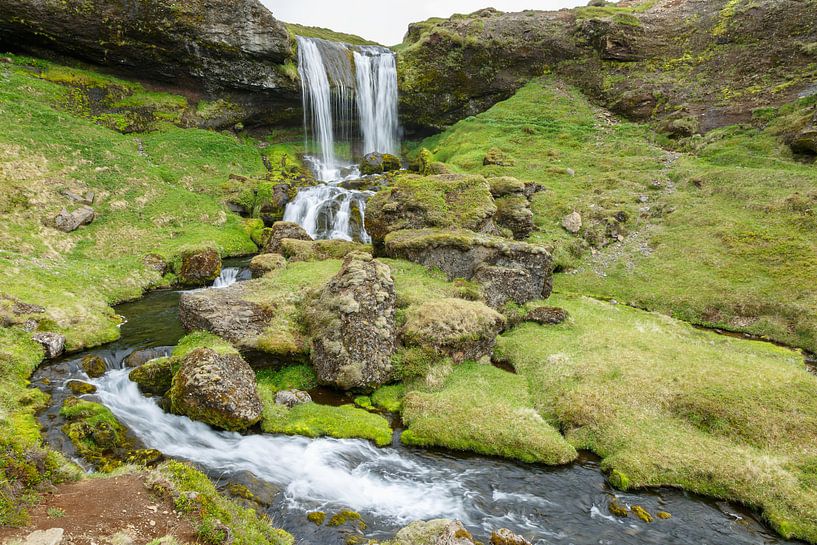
point(55, 513)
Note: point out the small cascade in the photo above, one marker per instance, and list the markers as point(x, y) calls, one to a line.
point(228, 277)
point(350, 109)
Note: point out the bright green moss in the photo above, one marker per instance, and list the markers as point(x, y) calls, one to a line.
point(296, 377)
point(389, 398)
point(202, 339)
point(96, 433)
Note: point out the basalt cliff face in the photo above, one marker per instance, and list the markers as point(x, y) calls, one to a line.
point(690, 65)
point(225, 49)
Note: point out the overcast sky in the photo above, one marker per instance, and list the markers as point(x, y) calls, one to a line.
point(386, 21)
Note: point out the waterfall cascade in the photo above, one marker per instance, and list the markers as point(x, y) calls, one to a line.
point(350, 109)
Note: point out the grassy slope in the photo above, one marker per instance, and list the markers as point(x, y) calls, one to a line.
point(665, 404)
point(725, 237)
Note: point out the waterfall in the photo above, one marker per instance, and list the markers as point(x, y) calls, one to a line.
point(350, 109)
point(228, 277)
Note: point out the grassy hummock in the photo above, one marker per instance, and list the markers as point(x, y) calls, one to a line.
point(665, 404)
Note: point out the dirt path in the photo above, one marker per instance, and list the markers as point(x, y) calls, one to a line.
point(92, 511)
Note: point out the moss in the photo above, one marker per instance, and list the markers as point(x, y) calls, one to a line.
point(202, 339)
point(154, 377)
point(79, 387)
point(663, 515)
point(641, 513)
point(326, 34)
point(389, 398)
point(617, 509)
point(96, 433)
point(347, 516)
point(364, 402)
point(296, 377)
point(316, 517)
point(319, 250)
point(94, 366)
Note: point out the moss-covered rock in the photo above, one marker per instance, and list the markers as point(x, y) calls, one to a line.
point(154, 377)
point(96, 433)
point(94, 366)
point(433, 532)
point(79, 387)
point(513, 212)
point(218, 389)
point(416, 202)
point(265, 263)
point(199, 266)
point(318, 250)
point(378, 163)
point(281, 230)
point(463, 330)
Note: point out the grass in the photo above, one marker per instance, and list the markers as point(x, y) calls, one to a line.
point(486, 410)
point(665, 404)
point(721, 235)
point(327, 34)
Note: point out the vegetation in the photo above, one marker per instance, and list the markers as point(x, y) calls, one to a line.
point(727, 418)
point(296, 377)
point(96, 433)
point(327, 34)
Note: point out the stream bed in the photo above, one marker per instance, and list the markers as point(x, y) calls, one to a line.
point(391, 486)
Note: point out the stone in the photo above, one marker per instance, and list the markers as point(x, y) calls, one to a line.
point(434, 532)
point(496, 156)
point(79, 387)
point(572, 222)
point(52, 536)
point(614, 41)
point(378, 163)
point(71, 221)
point(351, 322)
point(217, 389)
point(318, 250)
point(805, 141)
point(503, 536)
point(137, 358)
point(94, 366)
point(507, 270)
point(154, 377)
point(290, 398)
point(547, 315)
point(463, 330)
point(281, 230)
point(53, 344)
point(502, 186)
point(266, 263)
point(199, 267)
point(513, 212)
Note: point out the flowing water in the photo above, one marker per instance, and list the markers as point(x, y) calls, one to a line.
point(389, 486)
point(349, 97)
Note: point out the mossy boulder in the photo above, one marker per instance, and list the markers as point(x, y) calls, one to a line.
point(79, 387)
point(154, 377)
point(218, 389)
point(507, 270)
point(463, 330)
point(94, 366)
point(378, 163)
point(433, 532)
point(416, 202)
point(281, 230)
point(352, 325)
point(513, 212)
point(265, 263)
point(95, 433)
point(547, 315)
point(502, 186)
point(497, 157)
point(503, 536)
point(805, 142)
point(199, 266)
point(319, 250)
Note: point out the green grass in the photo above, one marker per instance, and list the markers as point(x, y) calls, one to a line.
point(725, 237)
point(326, 34)
point(665, 404)
point(202, 339)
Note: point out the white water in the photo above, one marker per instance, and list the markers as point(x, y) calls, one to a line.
point(350, 109)
point(328, 472)
point(228, 277)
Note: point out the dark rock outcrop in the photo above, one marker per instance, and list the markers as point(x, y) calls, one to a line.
point(218, 389)
point(199, 267)
point(352, 325)
point(507, 271)
point(235, 49)
point(378, 163)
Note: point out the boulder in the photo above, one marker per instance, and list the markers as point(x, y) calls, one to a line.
point(352, 325)
point(218, 389)
point(71, 221)
point(199, 267)
point(318, 250)
point(290, 398)
point(53, 344)
point(154, 377)
point(434, 532)
point(497, 157)
point(378, 163)
point(503, 536)
point(502, 186)
point(265, 263)
point(281, 230)
point(572, 222)
point(513, 213)
point(137, 358)
point(463, 330)
point(94, 366)
point(418, 202)
point(547, 315)
point(507, 271)
point(79, 387)
point(805, 141)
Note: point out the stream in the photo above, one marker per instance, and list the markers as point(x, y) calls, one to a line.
point(389, 486)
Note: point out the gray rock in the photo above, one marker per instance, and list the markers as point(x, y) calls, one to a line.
point(290, 398)
point(805, 141)
point(434, 532)
point(264, 263)
point(218, 389)
point(52, 536)
point(53, 343)
point(352, 325)
point(141, 357)
point(86, 198)
point(71, 221)
point(281, 230)
point(572, 222)
point(378, 163)
point(503, 536)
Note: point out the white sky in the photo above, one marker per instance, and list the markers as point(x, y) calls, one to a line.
point(386, 21)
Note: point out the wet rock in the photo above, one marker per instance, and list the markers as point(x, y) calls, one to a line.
point(79, 387)
point(378, 163)
point(507, 271)
point(290, 398)
point(635, 104)
point(352, 325)
point(141, 357)
point(496, 156)
point(94, 366)
point(226, 313)
point(572, 222)
point(218, 389)
point(547, 315)
point(199, 267)
point(265, 263)
point(434, 532)
point(154, 377)
point(71, 221)
point(53, 344)
point(157, 263)
point(463, 330)
point(503, 536)
point(281, 230)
